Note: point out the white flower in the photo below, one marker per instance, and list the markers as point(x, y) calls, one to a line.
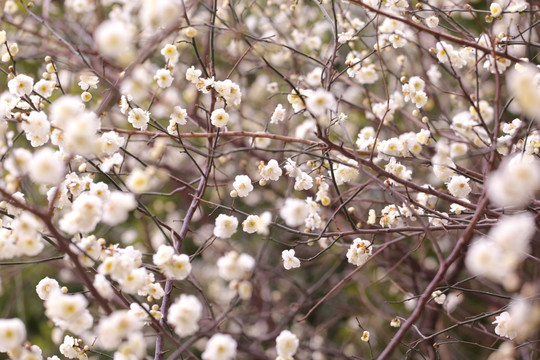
point(88, 81)
point(419, 99)
point(18, 163)
point(80, 134)
point(438, 297)
point(29, 245)
point(514, 244)
point(365, 336)
point(64, 109)
point(134, 347)
point(517, 6)
point(190, 32)
point(390, 147)
point(443, 167)
point(219, 118)
point(80, 6)
point(178, 117)
point(320, 101)
point(170, 53)
point(303, 182)
point(67, 348)
point(234, 266)
point(359, 252)
point(271, 171)
point(397, 40)
point(505, 326)
point(294, 212)
point(220, 347)
point(495, 9)
point(252, 224)
point(514, 182)
point(245, 290)
point(103, 286)
point(113, 328)
point(423, 137)
point(112, 162)
point(242, 185)
point(21, 85)
point(117, 207)
point(345, 173)
point(287, 344)
point(372, 216)
point(138, 181)
point(184, 315)
point(65, 307)
point(261, 142)
point(278, 115)
point(46, 168)
point(367, 74)
point(205, 85)
point(398, 170)
point(229, 91)
point(193, 74)
point(12, 334)
point(446, 52)
point(178, 267)
point(499, 254)
point(163, 255)
point(345, 37)
point(265, 219)
point(163, 78)
point(452, 301)
point(459, 186)
point(485, 259)
point(114, 38)
point(295, 100)
point(225, 226)
point(139, 118)
point(289, 260)
point(84, 216)
point(458, 209)
point(86, 96)
point(45, 88)
point(124, 103)
point(432, 21)
point(46, 287)
point(36, 128)
point(291, 169)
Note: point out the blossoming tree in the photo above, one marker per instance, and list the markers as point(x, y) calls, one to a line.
point(286, 179)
